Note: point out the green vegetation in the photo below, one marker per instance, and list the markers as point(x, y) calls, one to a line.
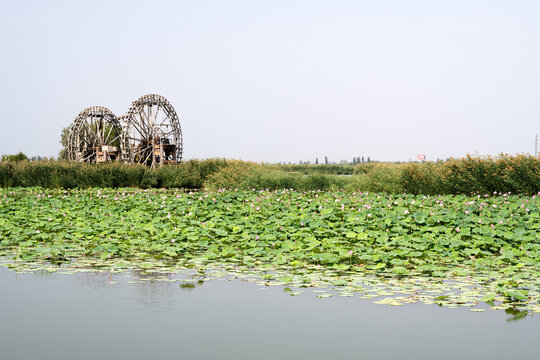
point(64, 140)
point(57, 174)
point(490, 243)
point(14, 158)
point(514, 174)
point(315, 169)
point(451, 233)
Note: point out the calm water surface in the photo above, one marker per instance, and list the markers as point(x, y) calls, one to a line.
point(103, 316)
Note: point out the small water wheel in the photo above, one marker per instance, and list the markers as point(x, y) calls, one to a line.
point(95, 136)
point(153, 133)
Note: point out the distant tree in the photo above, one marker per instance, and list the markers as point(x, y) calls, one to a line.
point(326, 160)
point(368, 159)
point(316, 161)
point(64, 138)
point(363, 160)
point(15, 158)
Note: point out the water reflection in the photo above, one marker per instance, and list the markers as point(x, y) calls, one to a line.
point(191, 286)
point(189, 280)
point(516, 314)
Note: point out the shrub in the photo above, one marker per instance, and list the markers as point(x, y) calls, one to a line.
point(377, 178)
point(308, 169)
point(469, 175)
point(230, 176)
point(267, 178)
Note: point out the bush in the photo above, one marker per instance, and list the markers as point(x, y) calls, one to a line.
point(7, 174)
point(309, 169)
point(233, 175)
point(469, 175)
point(377, 178)
point(422, 179)
point(267, 178)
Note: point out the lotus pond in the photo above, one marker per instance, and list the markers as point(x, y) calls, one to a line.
point(479, 252)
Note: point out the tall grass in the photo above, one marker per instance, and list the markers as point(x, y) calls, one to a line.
point(268, 178)
point(191, 174)
point(308, 169)
point(377, 177)
point(62, 174)
point(516, 174)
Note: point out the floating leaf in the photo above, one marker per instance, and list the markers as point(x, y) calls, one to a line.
point(322, 296)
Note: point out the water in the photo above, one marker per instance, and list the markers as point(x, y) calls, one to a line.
point(88, 316)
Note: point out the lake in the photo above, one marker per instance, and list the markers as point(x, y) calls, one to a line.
point(134, 316)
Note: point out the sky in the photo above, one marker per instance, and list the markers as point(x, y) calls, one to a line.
point(281, 81)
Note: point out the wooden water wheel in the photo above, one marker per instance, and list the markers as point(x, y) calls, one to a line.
point(152, 132)
point(95, 136)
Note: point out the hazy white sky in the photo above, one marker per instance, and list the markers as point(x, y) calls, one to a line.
point(281, 80)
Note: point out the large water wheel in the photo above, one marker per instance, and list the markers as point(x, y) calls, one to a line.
point(95, 136)
point(152, 132)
